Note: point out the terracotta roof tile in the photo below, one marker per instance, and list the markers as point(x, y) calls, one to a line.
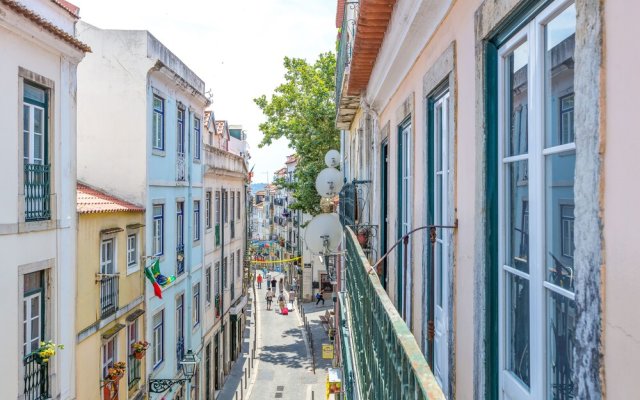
point(46, 25)
point(70, 8)
point(91, 200)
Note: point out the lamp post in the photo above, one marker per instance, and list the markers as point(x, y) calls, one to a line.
point(188, 365)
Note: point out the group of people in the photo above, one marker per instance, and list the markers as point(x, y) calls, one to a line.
point(271, 291)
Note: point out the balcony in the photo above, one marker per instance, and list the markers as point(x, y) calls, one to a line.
point(181, 167)
point(36, 378)
point(180, 259)
point(346, 104)
point(385, 361)
point(108, 294)
point(37, 192)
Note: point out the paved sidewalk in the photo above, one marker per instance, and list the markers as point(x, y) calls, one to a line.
point(285, 367)
point(318, 333)
point(235, 379)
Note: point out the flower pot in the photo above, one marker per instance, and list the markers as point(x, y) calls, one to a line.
point(363, 238)
point(139, 355)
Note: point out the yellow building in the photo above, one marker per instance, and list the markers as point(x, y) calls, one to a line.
point(110, 302)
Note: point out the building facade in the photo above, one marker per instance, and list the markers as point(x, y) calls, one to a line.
point(155, 148)
point(481, 125)
point(110, 297)
point(37, 214)
point(225, 175)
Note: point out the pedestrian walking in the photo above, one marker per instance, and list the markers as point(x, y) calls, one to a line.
point(269, 298)
point(320, 297)
point(281, 302)
point(259, 279)
point(273, 284)
point(292, 297)
point(281, 285)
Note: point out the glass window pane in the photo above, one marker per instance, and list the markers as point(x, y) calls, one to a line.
point(38, 120)
point(439, 271)
point(517, 100)
point(34, 93)
point(561, 316)
point(517, 327)
point(517, 217)
point(559, 72)
point(25, 131)
point(559, 203)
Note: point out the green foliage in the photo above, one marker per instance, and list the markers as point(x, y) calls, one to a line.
point(303, 110)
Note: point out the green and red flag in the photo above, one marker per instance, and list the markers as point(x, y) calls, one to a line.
point(157, 279)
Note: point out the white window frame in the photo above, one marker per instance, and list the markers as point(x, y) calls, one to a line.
point(196, 220)
point(158, 339)
point(196, 305)
point(104, 263)
point(109, 360)
point(207, 286)
point(510, 387)
point(158, 230)
point(158, 113)
point(207, 209)
point(406, 132)
point(27, 321)
point(197, 140)
point(132, 253)
point(29, 109)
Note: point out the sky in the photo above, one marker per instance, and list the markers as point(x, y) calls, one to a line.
point(236, 46)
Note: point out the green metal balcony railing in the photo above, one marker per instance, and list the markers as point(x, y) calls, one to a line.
point(36, 377)
point(37, 192)
point(387, 361)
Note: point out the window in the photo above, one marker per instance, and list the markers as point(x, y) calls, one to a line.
point(225, 205)
point(109, 355)
point(107, 261)
point(224, 272)
point(207, 210)
point(537, 166)
point(232, 261)
point(132, 251)
point(404, 202)
point(238, 209)
point(207, 285)
point(158, 338)
point(158, 230)
point(196, 220)
point(196, 138)
point(133, 365)
point(567, 131)
point(239, 263)
point(216, 277)
point(567, 218)
point(217, 207)
point(233, 206)
point(179, 328)
point(33, 316)
point(180, 132)
point(196, 304)
point(179, 237)
point(35, 144)
point(158, 123)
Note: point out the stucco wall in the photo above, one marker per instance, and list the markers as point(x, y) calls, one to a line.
point(621, 194)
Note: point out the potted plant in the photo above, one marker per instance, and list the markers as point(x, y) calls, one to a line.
point(117, 371)
point(140, 348)
point(47, 350)
point(363, 237)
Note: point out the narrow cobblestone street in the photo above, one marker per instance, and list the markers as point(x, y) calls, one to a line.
point(284, 368)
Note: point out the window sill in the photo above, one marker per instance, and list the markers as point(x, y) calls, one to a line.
point(158, 152)
point(133, 269)
point(196, 243)
point(36, 226)
point(197, 161)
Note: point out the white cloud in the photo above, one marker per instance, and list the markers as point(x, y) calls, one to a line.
point(236, 47)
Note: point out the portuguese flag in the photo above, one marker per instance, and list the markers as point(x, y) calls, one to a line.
point(148, 271)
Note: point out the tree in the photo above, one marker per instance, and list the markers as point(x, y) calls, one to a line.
point(303, 110)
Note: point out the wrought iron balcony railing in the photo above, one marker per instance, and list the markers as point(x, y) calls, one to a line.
point(108, 294)
point(36, 378)
point(345, 44)
point(133, 371)
point(37, 192)
point(179, 351)
point(181, 168)
point(179, 259)
point(387, 362)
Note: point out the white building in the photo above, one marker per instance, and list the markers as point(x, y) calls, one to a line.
point(225, 174)
point(38, 65)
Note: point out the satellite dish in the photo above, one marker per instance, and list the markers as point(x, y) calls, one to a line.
point(323, 233)
point(332, 158)
point(329, 182)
